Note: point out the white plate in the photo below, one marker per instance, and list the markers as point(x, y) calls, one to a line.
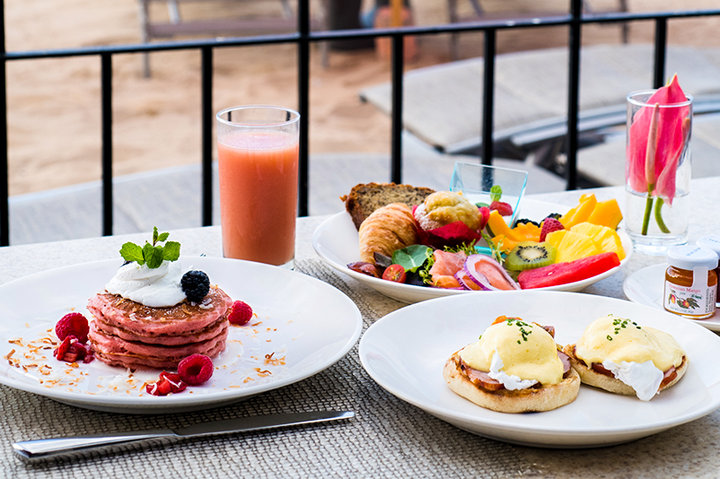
point(336, 242)
point(405, 351)
point(306, 321)
point(645, 286)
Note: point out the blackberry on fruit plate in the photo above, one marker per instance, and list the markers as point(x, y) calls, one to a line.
point(195, 284)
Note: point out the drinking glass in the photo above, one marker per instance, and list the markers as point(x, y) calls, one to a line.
point(475, 180)
point(657, 172)
point(258, 174)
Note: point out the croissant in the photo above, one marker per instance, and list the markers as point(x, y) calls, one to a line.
point(388, 228)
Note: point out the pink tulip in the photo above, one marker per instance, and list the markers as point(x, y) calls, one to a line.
point(656, 140)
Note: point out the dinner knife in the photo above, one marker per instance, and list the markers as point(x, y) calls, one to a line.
point(46, 448)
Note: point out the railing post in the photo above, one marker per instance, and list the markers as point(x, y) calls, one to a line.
point(660, 51)
point(5, 183)
point(397, 59)
point(303, 104)
point(488, 97)
point(574, 45)
point(107, 142)
point(206, 126)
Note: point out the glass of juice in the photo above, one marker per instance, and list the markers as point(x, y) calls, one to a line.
point(258, 173)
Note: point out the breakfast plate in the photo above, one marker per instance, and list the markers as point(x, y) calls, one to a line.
point(404, 352)
point(645, 286)
point(336, 242)
point(303, 326)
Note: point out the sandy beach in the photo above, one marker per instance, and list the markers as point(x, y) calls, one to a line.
point(54, 107)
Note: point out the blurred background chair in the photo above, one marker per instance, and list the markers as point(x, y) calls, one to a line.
point(479, 13)
point(223, 21)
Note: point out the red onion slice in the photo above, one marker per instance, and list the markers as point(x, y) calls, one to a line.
point(467, 282)
point(488, 273)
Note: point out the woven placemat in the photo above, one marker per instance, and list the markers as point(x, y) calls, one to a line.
point(387, 438)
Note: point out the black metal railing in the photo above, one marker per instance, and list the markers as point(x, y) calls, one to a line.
point(303, 38)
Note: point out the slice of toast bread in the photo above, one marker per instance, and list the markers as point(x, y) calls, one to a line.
point(365, 198)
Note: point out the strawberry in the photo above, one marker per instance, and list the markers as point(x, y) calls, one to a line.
point(503, 208)
point(548, 226)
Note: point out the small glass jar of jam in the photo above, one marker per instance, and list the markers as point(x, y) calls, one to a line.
point(691, 282)
point(712, 242)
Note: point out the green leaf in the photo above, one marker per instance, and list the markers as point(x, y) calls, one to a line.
point(495, 193)
point(132, 252)
point(171, 250)
point(155, 235)
point(412, 257)
point(153, 255)
point(480, 204)
point(163, 237)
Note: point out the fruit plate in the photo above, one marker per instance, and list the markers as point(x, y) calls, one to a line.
point(303, 326)
point(645, 286)
point(336, 242)
point(404, 352)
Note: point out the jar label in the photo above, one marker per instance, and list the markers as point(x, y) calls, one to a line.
point(689, 300)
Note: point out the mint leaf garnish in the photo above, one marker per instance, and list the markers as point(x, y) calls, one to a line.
point(152, 254)
point(171, 251)
point(495, 193)
point(132, 252)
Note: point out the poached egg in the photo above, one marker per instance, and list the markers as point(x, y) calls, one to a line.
point(516, 353)
point(636, 355)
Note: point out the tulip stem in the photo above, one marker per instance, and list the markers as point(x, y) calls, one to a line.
point(658, 216)
point(646, 217)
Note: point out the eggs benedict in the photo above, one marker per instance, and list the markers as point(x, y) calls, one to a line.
point(514, 367)
point(618, 355)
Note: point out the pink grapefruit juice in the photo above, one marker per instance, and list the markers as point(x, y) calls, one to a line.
point(258, 174)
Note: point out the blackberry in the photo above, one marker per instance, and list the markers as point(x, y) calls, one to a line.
point(195, 284)
point(554, 215)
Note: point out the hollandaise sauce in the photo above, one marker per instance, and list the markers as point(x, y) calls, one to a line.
point(691, 282)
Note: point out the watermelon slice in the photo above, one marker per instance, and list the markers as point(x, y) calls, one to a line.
point(569, 272)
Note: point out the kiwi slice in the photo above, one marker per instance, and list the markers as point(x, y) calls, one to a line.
point(529, 255)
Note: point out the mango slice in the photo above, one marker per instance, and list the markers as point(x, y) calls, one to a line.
point(606, 213)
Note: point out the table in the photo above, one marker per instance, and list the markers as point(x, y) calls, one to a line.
point(387, 438)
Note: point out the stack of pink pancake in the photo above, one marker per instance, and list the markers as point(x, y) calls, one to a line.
point(131, 335)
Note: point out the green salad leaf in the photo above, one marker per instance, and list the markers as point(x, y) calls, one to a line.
point(412, 257)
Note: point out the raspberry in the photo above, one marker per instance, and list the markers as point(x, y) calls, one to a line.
point(240, 313)
point(195, 369)
point(168, 383)
point(195, 284)
point(177, 385)
point(548, 226)
point(71, 350)
point(503, 208)
point(73, 324)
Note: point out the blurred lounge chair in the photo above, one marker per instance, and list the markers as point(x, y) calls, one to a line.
point(218, 25)
point(443, 103)
point(479, 13)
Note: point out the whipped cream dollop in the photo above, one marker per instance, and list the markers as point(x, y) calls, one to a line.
point(156, 287)
point(510, 381)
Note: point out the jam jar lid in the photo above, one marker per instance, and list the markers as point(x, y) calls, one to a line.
point(711, 242)
point(692, 256)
